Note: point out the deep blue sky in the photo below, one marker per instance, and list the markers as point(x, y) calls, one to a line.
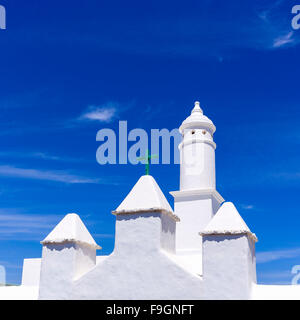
point(147, 62)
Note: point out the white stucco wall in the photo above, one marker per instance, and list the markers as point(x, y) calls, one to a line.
point(194, 212)
point(137, 232)
point(138, 268)
point(31, 272)
point(57, 270)
point(19, 293)
point(145, 276)
point(227, 270)
point(85, 260)
point(275, 292)
point(252, 261)
point(168, 233)
point(197, 169)
point(61, 264)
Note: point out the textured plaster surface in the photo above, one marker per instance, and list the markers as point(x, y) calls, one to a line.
point(227, 271)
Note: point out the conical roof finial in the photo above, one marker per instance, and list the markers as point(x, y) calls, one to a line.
point(70, 229)
point(197, 107)
point(196, 119)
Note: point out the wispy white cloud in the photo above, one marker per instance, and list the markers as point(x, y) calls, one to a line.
point(58, 176)
point(275, 277)
point(266, 13)
point(255, 26)
point(17, 226)
point(39, 155)
point(103, 113)
point(247, 206)
point(268, 256)
point(275, 26)
point(276, 274)
point(284, 40)
point(100, 114)
point(42, 155)
point(287, 176)
point(31, 221)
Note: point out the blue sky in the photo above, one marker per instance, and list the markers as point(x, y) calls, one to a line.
point(147, 62)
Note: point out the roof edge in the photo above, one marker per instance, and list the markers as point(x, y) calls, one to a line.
point(195, 123)
point(71, 240)
point(229, 232)
point(198, 192)
point(156, 210)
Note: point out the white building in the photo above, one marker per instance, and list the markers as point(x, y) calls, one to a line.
point(202, 250)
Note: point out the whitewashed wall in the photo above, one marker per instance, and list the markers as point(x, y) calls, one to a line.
point(194, 212)
point(227, 269)
point(61, 265)
point(31, 272)
point(138, 268)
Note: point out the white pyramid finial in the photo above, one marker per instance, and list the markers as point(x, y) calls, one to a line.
point(145, 196)
point(71, 229)
point(227, 220)
point(197, 107)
